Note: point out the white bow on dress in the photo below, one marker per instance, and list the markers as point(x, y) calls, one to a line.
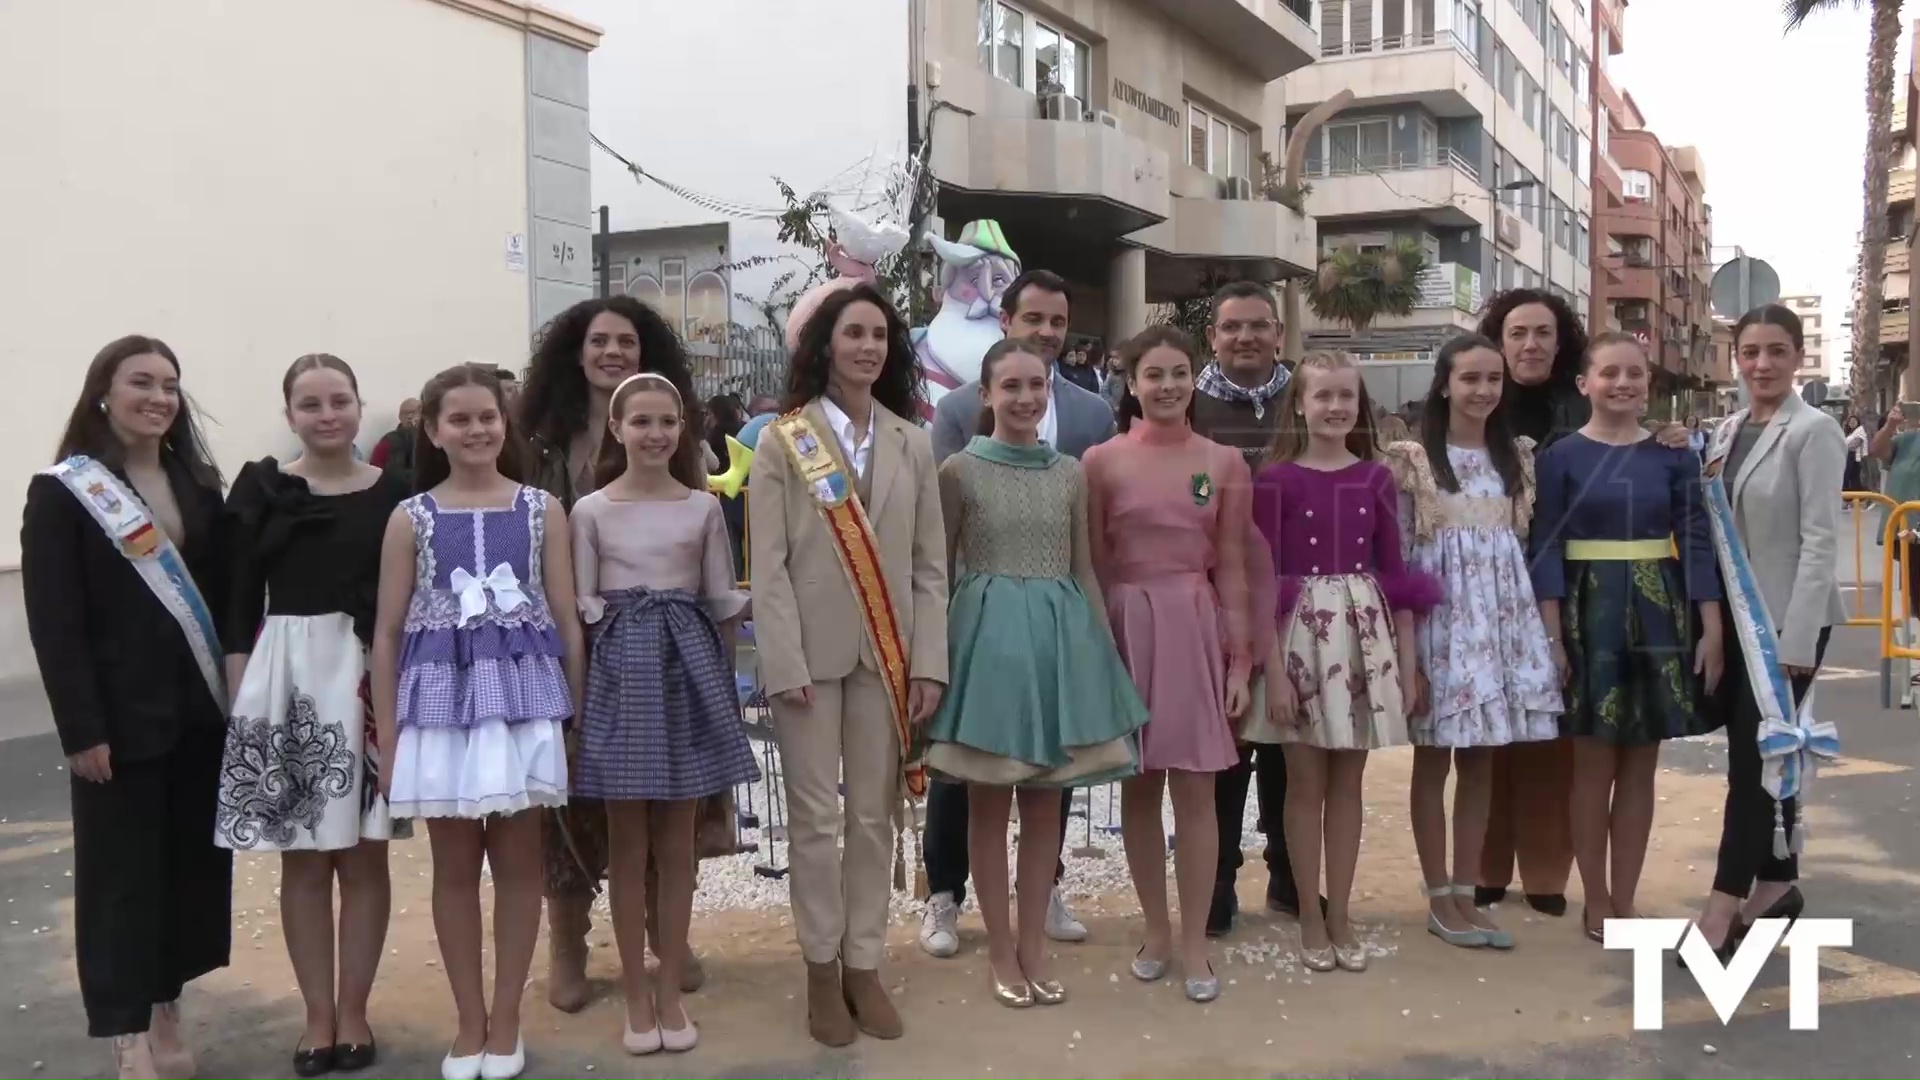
point(501, 584)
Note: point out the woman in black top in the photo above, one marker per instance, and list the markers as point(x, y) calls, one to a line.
point(123, 570)
point(301, 773)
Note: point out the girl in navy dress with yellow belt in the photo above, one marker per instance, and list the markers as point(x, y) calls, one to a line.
point(1624, 572)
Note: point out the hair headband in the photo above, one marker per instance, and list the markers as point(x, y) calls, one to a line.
point(613, 405)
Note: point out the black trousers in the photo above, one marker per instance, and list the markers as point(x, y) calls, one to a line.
point(945, 838)
point(1746, 826)
point(152, 895)
point(1264, 767)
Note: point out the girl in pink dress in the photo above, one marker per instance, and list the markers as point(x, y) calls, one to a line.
point(1171, 531)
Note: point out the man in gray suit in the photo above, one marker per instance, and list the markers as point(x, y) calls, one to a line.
point(1034, 309)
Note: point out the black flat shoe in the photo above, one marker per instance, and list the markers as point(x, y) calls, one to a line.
point(1220, 913)
point(1554, 904)
point(314, 1062)
point(352, 1057)
point(1488, 895)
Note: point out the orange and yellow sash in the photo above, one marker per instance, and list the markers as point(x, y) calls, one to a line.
point(853, 540)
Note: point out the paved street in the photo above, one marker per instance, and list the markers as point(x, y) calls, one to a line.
point(1557, 1006)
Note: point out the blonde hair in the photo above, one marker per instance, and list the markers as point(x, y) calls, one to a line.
point(1290, 428)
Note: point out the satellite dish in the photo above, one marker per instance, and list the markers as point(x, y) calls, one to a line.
point(1743, 284)
point(1814, 393)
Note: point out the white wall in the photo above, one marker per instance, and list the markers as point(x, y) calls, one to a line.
point(720, 96)
point(249, 182)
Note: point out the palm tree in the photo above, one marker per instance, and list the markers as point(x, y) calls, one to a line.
point(1873, 229)
point(1356, 287)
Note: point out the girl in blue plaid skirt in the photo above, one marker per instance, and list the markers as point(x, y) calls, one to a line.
point(660, 728)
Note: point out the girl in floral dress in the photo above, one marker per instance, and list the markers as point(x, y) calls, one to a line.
point(472, 677)
point(1342, 677)
point(1466, 495)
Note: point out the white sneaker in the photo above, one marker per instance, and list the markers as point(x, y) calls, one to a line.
point(1061, 925)
point(940, 926)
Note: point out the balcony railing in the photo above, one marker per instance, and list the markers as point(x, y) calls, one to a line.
point(1399, 42)
point(1900, 185)
point(1386, 163)
point(1898, 259)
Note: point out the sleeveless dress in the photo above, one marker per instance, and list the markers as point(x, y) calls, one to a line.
point(301, 769)
point(1038, 696)
point(1489, 665)
point(482, 693)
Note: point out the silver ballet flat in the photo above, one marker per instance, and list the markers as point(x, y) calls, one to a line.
point(1350, 957)
point(1202, 990)
point(1147, 970)
point(1318, 959)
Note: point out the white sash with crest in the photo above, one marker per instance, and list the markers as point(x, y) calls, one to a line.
point(124, 517)
point(1792, 742)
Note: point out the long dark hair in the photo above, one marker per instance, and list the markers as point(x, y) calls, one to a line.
point(1135, 349)
point(996, 352)
point(1435, 419)
point(552, 407)
point(900, 387)
point(430, 465)
point(87, 431)
point(1778, 315)
point(1570, 338)
point(1290, 435)
point(728, 416)
point(611, 460)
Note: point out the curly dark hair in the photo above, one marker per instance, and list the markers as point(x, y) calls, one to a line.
point(901, 387)
point(552, 409)
point(1571, 339)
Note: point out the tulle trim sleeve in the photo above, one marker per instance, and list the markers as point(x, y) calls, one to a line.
point(1411, 590)
point(1403, 587)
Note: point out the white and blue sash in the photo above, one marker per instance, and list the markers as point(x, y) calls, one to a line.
point(1792, 742)
point(124, 517)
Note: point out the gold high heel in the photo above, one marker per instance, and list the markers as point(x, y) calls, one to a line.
point(1048, 992)
point(1018, 995)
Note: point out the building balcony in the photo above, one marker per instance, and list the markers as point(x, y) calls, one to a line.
point(1436, 71)
point(1899, 258)
point(1268, 38)
point(1900, 186)
point(1084, 178)
point(1635, 283)
point(1442, 187)
point(1256, 239)
point(1894, 327)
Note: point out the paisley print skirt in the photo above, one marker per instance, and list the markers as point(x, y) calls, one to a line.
point(300, 772)
point(1629, 633)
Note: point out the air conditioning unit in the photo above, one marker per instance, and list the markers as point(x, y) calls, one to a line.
point(1102, 116)
point(1506, 230)
point(1062, 107)
point(1236, 187)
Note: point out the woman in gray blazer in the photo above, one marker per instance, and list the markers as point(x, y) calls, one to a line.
point(1781, 464)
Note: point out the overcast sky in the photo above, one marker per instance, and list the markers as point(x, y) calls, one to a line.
point(1780, 121)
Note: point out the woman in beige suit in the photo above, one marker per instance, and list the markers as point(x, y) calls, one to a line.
point(1780, 464)
point(850, 615)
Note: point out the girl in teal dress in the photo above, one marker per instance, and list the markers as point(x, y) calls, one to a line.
point(1038, 697)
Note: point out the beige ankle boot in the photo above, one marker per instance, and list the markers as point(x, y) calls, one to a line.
point(172, 1057)
point(568, 920)
point(133, 1058)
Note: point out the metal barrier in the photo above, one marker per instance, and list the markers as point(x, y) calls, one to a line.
point(1890, 586)
point(1858, 612)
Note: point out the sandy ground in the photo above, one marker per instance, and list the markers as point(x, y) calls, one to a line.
point(1555, 998)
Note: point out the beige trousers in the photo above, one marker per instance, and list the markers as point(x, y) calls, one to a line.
point(840, 893)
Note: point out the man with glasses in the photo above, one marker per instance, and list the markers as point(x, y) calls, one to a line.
point(1236, 402)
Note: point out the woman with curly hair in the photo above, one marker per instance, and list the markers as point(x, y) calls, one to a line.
point(849, 575)
point(579, 360)
point(1544, 345)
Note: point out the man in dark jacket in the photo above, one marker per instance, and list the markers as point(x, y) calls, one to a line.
point(394, 451)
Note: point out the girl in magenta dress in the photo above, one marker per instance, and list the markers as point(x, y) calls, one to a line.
point(1171, 532)
point(1342, 677)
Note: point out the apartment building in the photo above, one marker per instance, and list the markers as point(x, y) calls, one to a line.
point(1812, 312)
point(1119, 142)
point(1899, 291)
point(1468, 133)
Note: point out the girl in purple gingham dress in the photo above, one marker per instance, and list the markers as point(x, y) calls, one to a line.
point(471, 668)
point(660, 725)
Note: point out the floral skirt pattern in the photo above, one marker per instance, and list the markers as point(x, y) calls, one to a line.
point(1338, 647)
point(300, 772)
point(1629, 636)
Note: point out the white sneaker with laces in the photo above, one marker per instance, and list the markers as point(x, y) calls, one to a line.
point(940, 926)
point(1061, 925)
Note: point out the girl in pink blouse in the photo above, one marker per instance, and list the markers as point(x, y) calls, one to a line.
point(1169, 520)
point(1342, 674)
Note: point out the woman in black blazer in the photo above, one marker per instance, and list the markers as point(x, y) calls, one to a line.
point(114, 540)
